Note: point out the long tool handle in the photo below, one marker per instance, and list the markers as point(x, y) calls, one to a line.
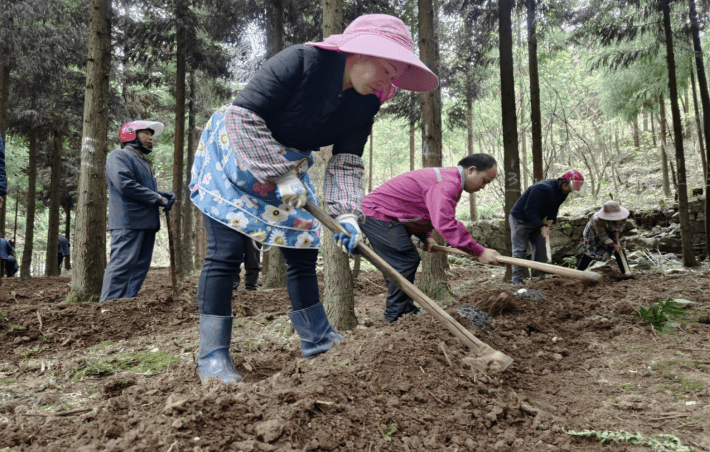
point(425, 302)
point(627, 270)
point(171, 246)
point(549, 251)
point(547, 268)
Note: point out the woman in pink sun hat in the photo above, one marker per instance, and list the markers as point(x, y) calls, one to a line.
point(250, 176)
point(602, 234)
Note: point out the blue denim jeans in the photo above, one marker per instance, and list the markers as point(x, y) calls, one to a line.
point(390, 240)
point(131, 253)
point(225, 252)
point(524, 234)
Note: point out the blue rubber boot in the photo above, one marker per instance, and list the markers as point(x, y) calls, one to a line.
point(213, 358)
point(317, 336)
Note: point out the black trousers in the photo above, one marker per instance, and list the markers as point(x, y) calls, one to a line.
point(586, 260)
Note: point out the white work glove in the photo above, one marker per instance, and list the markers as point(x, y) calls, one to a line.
point(348, 244)
point(292, 190)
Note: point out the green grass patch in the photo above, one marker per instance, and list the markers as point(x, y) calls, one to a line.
point(139, 362)
point(101, 346)
point(18, 327)
point(28, 354)
point(627, 387)
point(6, 382)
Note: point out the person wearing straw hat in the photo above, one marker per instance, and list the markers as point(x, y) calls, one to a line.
point(250, 176)
point(533, 215)
point(601, 235)
point(133, 210)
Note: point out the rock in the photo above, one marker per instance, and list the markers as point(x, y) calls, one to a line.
point(269, 431)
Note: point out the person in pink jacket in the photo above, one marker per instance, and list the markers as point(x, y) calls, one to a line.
point(417, 203)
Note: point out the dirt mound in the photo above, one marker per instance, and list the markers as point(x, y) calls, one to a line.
point(119, 376)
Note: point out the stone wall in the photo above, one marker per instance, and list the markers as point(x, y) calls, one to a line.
point(657, 229)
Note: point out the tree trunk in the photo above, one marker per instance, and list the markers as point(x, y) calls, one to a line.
point(276, 27)
point(200, 238)
point(188, 231)
point(5, 62)
point(275, 273)
point(686, 115)
point(179, 145)
point(52, 264)
point(412, 144)
point(535, 116)
point(637, 138)
point(685, 228)
point(433, 282)
point(90, 222)
point(705, 100)
point(701, 146)
point(473, 211)
point(26, 265)
point(338, 296)
point(509, 120)
point(664, 155)
point(67, 231)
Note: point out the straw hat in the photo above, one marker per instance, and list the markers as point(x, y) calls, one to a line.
point(613, 211)
point(384, 36)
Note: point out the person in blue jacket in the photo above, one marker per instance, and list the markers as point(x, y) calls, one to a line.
point(534, 214)
point(250, 177)
point(62, 249)
point(7, 259)
point(133, 210)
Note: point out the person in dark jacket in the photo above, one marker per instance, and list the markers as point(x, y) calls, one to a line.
point(534, 214)
point(250, 176)
point(133, 210)
point(8, 263)
point(63, 249)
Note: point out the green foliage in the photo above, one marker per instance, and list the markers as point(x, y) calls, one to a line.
point(570, 261)
point(660, 443)
point(139, 362)
point(662, 313)
point(392, 430)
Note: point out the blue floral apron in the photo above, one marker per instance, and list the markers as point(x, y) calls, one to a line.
point(234, 197)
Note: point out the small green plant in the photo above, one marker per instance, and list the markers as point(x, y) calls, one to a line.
point(388, 436)
point(661, 313)
point(2, 317)
point(18, 327)
point(570, 261)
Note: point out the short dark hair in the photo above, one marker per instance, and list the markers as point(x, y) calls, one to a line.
point(482, 162)
point(562, 182)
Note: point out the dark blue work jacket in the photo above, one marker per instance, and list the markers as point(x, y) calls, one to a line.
point(132, 192)
point(540, 200)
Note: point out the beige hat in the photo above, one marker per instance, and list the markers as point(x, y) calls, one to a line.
point(613, 211)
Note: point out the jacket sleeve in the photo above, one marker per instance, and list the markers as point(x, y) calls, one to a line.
point(3, 175)
point(354, 143)
point(273, 84)
point(441, 200)
point(120, 172)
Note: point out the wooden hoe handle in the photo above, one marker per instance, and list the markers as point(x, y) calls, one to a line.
point(480, 348)
point(547, 268)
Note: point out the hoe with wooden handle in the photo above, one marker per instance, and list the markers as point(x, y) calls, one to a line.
point(585, 276)
point(487, 358)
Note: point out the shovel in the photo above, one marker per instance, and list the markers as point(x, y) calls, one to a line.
point(584, 276)
point(547, 245)
point(487, 357)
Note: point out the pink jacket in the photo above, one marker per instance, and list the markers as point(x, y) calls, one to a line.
point(424, 200)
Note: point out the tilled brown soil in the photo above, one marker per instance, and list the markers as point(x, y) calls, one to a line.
point(583, 361)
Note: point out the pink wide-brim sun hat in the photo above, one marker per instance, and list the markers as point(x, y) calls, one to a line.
point(612, 211)
point(384, 36)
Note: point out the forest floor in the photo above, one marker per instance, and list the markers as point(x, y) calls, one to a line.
point(119, 376)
